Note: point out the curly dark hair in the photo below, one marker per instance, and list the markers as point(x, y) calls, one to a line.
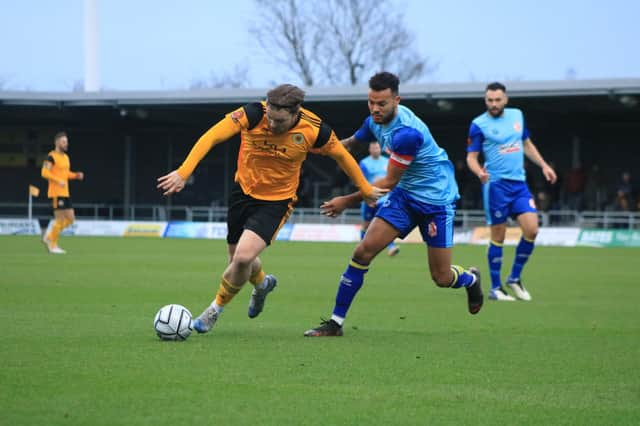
point(384, 80)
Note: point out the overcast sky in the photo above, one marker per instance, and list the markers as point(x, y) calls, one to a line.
point(168, 44)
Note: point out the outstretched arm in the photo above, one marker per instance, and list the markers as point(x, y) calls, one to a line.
point(337, 205)
point(174, 182)
point(348, 164)
point(349, 142)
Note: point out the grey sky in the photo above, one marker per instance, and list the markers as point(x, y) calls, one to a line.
point(166, 44)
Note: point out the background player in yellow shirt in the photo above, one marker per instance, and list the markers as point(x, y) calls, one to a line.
point(57, 170)
point(275, 137)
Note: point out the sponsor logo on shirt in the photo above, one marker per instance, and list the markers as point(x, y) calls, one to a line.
point(509, 147)
point(269, 147)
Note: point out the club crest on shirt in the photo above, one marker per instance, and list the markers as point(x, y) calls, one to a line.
point(433, 229)
point(532, 203)
point(237, 115)
point(517, 126)
point(298, 138)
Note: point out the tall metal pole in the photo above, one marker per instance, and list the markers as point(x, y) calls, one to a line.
point(91, 70)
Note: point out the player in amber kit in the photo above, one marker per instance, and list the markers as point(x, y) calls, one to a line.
point(275, 138)
point(57, 170)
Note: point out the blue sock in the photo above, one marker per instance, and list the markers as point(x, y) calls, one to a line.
point(461, 278)
point(350, 283)
point(523, 251)
point(392, 245)
point(494, 255)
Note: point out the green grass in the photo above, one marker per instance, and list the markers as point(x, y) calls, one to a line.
point(78, 345)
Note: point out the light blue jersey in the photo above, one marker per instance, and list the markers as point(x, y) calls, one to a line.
point(501, 141)
point(374, 168)
point(429, 175)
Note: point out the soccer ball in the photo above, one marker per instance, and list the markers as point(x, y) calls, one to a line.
point(173, 322)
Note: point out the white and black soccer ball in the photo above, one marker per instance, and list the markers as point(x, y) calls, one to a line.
point(173, 322)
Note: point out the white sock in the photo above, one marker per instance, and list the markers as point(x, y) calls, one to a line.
point(217, 307)
point(263, 284)
point(338, 319)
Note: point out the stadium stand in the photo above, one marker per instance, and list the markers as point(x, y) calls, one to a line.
point(124, 140)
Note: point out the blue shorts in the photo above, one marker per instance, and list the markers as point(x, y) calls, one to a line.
point(506, 198)
point(367, 212)
point(404, 213)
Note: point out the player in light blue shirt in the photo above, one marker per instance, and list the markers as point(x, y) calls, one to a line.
point(502, 137)
point(374, 167)
point(423, 194)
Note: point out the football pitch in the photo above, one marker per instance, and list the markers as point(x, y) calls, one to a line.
point(79, 347)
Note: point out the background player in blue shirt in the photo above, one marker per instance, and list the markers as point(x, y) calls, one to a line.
point(374, 167)
point(423, 194)
point(500, 133)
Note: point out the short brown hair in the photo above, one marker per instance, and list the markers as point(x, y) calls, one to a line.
point(286, 96)
point(59, 135)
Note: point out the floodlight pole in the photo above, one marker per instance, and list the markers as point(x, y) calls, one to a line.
point(91, 69)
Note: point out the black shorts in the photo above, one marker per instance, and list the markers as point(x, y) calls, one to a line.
point(263, 217)
point(61, 203)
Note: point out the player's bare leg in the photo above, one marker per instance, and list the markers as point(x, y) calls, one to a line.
point(243, 257)
point(246, 252)
point(444, 274)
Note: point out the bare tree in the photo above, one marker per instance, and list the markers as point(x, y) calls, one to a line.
point(77, 86)
point(284, 34)
point(337, 41)
point(234, 79)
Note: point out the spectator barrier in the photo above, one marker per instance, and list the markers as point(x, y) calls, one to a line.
point(557, 236)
